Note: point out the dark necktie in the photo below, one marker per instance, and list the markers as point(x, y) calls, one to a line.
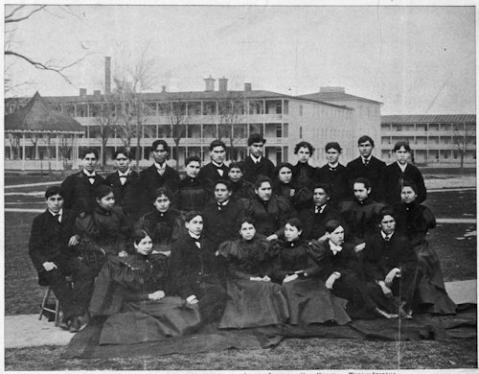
point(58, 217)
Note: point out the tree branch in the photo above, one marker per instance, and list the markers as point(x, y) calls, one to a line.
point(8, 18)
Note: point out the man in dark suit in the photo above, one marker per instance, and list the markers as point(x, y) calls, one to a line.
point(79, 188)
point(390, 261)
point(314, 218)
point(124, 183)
point(157, 175)
point(334, 174)
point(196, 273)
point(51, 251)
point(255, 164)
point(369, 167)
point(216, 169)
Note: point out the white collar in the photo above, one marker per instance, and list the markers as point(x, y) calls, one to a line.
point(402, 167)
point(125, 174)
point(334, 248)
point(383, 234)
point(224, 203)
point(89, 175)
point(368, 159)
point(160, 166)
point(255, 160)
point(60, 213)
point(320, 208)
point(195, 237)
point(216, 164)
point(333, 166)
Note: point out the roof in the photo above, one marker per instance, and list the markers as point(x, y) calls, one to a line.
point(37, 115)
point(195, 95)
point(428, 118)
point(337, 96)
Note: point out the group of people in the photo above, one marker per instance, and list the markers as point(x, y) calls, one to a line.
point(244, 244)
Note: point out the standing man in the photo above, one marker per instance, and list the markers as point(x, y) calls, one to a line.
point(216, 169)
point(51, 249)
point(255, 164)
point(79, 188)
point(124, 182)
point(334, 174)
point(157, 175)
point(369, 167)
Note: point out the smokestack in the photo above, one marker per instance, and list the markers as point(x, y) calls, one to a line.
point(209, 84)
point(107, 75)
point(223, 84)
point(163, 88)
point(97, 93)
point(247, 86)
point(82, 92)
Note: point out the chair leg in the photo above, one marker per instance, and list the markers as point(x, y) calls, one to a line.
point(46, 296)
point(57, 312)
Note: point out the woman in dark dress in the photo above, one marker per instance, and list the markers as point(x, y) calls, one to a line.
point(308, 299)
point(252, 299)
point(164, 224)
point(103, 232)
point(283, 185)
point(240, 188)
point(304, 175)
point(131, 292)
point(414, 221)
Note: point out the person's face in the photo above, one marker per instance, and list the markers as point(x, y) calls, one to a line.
point(285, 175)
point(221, 193)
point(304, 154)
point(264, 191)
point(107, 202)
point(122, 162)
point(256, 149)
point(235, 174)
point(408, 195)
point(360, 191)
point(195, 226)
point(291, 233)
point(89, 162)
point(337, 236)
point(388, 224)
point(192, 169)
point(332, 156)
point(218, 154)
point(402, 155)
point(160, 154)
point(162, 203)
point(320, 197)
point(55, 203)
point(145, 246)
point(365, 149)
point(247, 231)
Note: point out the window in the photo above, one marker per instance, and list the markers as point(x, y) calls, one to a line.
point(193, 131)
point(194, 108)
point(279, 132)
point(240, 130)
point(82, 110)
point(163, 109)
point(209, 108)
point(164, 131)
point(256, 128)
point(209, 131)
point(285, 107)
point(256, 107)
point(285, 130)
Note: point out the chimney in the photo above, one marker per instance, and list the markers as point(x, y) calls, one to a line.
point(82, 92)
point(247, 86)
point(332, 89)
point(163, 88)
point(107, 75)
point(209, 84)
point(97, 93)
point(223, 84)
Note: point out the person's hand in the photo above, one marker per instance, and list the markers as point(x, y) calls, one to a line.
point(386, 290)
point(266, 279)
point(255, 278)
point(395, 272)
point(192, 299)
point(358, 248)
point(272, 237)
point(157, 295)
point(292, 191)
point(49, 266)
point(123, 253)
point(290, 278)
point(74, 240)
point(332, 278)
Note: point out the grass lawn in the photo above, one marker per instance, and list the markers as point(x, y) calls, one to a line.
point(452, 204)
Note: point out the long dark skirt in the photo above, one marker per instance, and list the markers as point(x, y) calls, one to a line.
point(149, 321)
point(253, 304)
point(309, 301)
point(431, 293)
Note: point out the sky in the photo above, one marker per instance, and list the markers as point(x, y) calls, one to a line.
point(415, 60)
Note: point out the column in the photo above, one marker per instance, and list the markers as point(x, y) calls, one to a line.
point(23, 151)
point(57, 151)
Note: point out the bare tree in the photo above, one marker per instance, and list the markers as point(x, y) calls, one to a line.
point(106, 120)
point(460, 140)
point(14, 140)
point(178, 118)
point(231, 107)
point(65, 148)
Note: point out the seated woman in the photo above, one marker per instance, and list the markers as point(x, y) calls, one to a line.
point(300, 196)
point(103, 232)
point(130, 292)
point(164, 224)
point(341, 272)
point(240, 188)
point(252, 299)
point(308, 299)
point(414, 221)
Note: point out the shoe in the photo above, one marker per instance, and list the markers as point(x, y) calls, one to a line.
point(384, 314)
point(64, 325)
point(77, 324)
point(405, 313)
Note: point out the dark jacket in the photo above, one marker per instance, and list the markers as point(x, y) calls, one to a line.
point(338, 180)
point(380, 257)
point(49, 238)
point(191, 195)
point(79, 193)
point(209, 175)
point(304, 175)
point(395, 179)
point(251, 170)
point(242, 190)
point(150, 180)
point(126, 195)
point(375, 172)
point(191, 267)
point(299, 196)
point(270, 216)
point(360, 219)
point(414, 221)
point(314, 223)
